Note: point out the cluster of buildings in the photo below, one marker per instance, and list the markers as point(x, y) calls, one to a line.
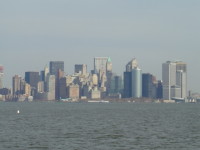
point(101, 83)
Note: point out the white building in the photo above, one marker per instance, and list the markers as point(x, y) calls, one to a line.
point(174, 80)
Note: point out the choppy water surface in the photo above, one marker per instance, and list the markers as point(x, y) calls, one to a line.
point(113, 126)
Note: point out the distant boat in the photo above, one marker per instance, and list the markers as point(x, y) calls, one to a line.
point(18, 112)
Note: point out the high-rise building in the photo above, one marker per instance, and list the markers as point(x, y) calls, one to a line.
point(127, 84)
point(1, 76)
point(81, 69)
point(16, 82)
point(174, 75)
point(103, 68)
point(109, 65)
point(63, 88)
point(148, 86)
point(44, 73)
point(32, 78)
point(51, 87)
point(55, 66)
point(57, 69)
point(100, 65)
point(136, 83)
point(133, 80)
point(181, 81)
point(159, 91)
point(116, 84)
point(40, 88)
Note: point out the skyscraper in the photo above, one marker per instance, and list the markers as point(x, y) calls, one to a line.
point(57, 69)
point(116, 84)
point(148, 86)
point(174, 75)
point(16, 85)
point(32, 78)
point(1, 76)
point(81, 69)
point(136, 83)
point(55, 66)
point(133, 80)
point(100, 64)
point(51, 87)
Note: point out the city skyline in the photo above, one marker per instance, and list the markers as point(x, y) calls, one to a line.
point(35, 32)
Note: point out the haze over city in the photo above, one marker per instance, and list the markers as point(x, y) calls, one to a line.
point(35, 32)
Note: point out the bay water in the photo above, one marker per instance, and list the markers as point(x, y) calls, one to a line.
point(99, 126)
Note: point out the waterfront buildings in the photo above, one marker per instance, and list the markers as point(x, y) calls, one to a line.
point(133, 80)
point(136, 83)
point(149, 89)
point(174, 75)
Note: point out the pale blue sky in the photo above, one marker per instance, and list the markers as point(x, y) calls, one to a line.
point(33, 32)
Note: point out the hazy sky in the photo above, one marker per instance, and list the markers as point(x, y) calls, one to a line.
point(33, 32)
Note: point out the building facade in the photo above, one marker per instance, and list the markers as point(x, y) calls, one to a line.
point(32, 78)
point(174, 75)
point(55, 66)
point(81, 69)
point(133, 80)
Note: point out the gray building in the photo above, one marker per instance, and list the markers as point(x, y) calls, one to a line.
point(100, 65)
point(51, 87)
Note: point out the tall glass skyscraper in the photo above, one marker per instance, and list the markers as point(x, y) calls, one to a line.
point(133, 80)
point(32, 78)
point(136, 83)
point(55, 66)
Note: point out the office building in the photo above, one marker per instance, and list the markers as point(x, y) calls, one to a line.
point(32, 78)
point(116, 84)
point(73, 91)
point(133, 80)
point(81, 69)
point(63, 88)
point(51, 87)
point(100, 64)
point(55, 66)
point(149, 86)
point(136, 83)
point(16, 85)
point(174, 75)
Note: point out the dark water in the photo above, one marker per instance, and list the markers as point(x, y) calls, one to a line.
point(114, 126)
